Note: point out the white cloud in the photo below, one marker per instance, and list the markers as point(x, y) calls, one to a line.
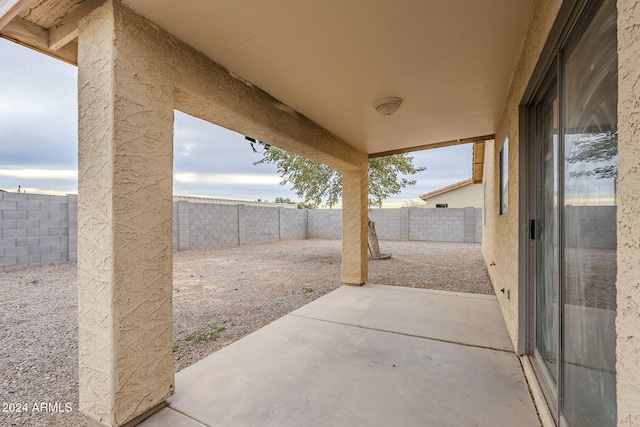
point(234, 179)
point(36, 190)
point(38, 142)
point(40, 173)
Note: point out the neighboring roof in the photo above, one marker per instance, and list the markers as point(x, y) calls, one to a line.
point(447, 188)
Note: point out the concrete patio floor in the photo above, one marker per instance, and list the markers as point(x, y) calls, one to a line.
point(369, 356)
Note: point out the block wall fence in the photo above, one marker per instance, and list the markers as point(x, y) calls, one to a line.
point(39, 229)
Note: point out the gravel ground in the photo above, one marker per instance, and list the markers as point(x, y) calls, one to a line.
point(239, 289)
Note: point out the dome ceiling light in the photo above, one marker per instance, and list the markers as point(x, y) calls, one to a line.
point(387, 106)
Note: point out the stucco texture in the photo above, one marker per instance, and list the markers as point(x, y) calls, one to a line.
point(500, 235)
point(131, 77)
point(125, 208)
point(355, 227)
point(628, 280)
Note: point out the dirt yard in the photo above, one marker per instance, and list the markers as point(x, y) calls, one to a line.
point(219, 297)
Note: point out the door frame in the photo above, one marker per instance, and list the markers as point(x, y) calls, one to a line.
point(570, 15)
point(565, 23)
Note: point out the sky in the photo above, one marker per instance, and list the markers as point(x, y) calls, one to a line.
point(39, 142)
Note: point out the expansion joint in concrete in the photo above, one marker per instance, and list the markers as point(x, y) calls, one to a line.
point(405, 334)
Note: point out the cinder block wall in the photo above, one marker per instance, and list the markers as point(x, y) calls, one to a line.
point(593, 226)
point(436, 225)
point(389, 223)
point(258, 224)
point(325, 224)
point(207, 226)
point(478, 236)
point(293, 224)
point(201, 225)
point(36, 228)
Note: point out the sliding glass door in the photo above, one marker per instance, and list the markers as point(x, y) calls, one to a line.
point(574, 137)
point(590, 94)
point(547, 293)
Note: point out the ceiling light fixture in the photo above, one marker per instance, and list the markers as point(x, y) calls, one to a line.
point(387, 106)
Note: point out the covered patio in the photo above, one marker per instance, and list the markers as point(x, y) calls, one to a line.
point(309, 78)
point(369, 356)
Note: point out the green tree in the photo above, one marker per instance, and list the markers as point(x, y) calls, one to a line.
point(317, 183)
point(284, 200)
point(299, 205)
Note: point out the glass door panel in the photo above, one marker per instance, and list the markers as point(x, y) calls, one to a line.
point(589, 224)
point(548, 283)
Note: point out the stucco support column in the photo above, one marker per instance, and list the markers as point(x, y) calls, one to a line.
point(355, 213)
point(124, 219)
point(628, 280)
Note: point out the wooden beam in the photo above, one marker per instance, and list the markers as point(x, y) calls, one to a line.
point(66, 30)
point(478, 152)
point(478, 170)
point(35, 37)
point(9, 9)
point(478, 162)
point(433, 145)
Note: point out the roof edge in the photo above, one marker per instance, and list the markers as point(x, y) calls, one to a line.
point(449, 187)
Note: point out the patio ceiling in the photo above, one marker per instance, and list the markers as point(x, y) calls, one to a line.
point(451, 61)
